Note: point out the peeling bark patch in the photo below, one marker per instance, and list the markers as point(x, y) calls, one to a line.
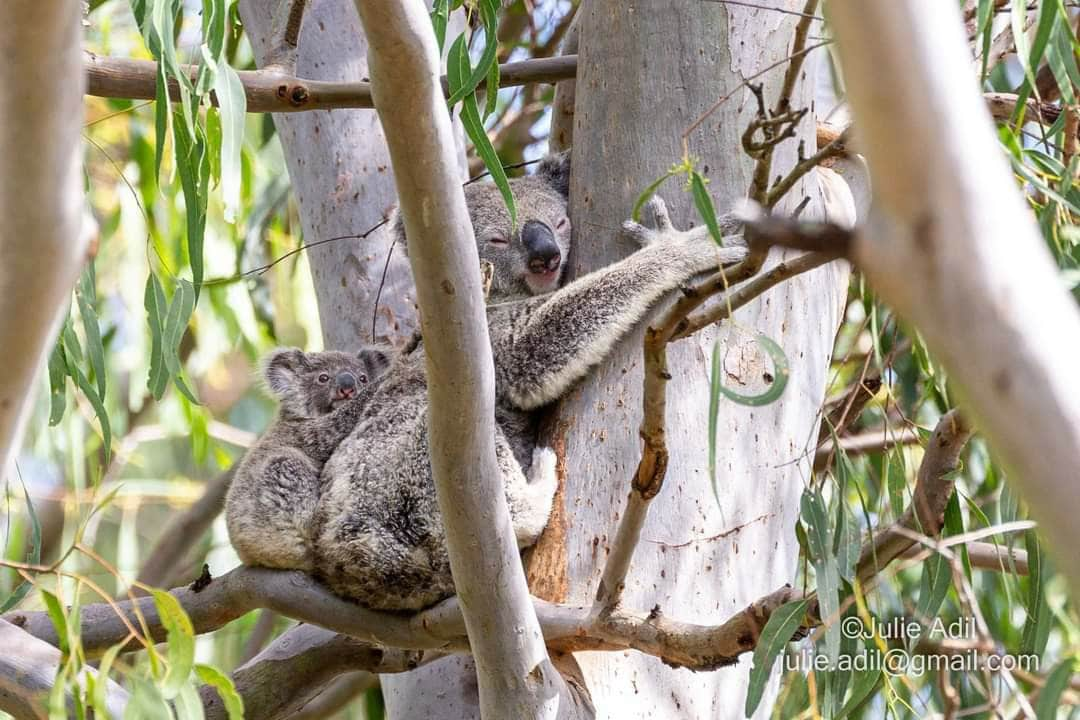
point(547, 567)
point(448, 287)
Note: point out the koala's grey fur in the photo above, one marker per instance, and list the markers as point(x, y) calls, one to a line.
point(275, 489)
point(380, 536)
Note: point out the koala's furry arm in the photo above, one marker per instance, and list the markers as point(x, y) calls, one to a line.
point(545, 344)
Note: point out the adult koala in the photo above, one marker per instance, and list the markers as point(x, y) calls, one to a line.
point(380, 538)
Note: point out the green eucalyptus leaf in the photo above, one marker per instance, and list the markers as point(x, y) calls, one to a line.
point(57, 383)
point(33, 557)
point(458, 69)
point(705, 208)
point(86, 297)
point(234, 704)
point(648, 192)
point(232, 105)
point(154, 302)
point(180, 639)
point(777, 633)
point(1049, 700)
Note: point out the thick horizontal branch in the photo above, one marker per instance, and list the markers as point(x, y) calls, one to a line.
point(295, 668)
point(232, 595)
point(272, 91)
point(28, 670)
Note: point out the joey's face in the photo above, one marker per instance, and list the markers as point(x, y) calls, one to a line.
point(313, 384)
point(529, 259)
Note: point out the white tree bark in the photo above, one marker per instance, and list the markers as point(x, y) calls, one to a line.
point(952, 247)
point(515, 677)
point(42, 248)
point(342, 180)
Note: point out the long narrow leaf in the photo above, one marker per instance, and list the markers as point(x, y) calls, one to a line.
point(57, 383)
point(154, 302)
point(472, 78)
point(648, 192)
point(458, 69)
point(234, 704)
point(86, 296)
point(704, 205)
point(33, 557)
point(777, 633)
point(232, 105)
point(180, 638)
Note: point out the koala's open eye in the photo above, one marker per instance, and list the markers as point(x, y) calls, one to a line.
point(496, 239)
point(324, 378)
point(563, 222)
point(362, 378)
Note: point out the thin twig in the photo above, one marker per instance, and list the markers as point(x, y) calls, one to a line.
point(724, 306)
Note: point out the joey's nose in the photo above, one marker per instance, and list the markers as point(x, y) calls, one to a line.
point(346, 384)
point(543, 251)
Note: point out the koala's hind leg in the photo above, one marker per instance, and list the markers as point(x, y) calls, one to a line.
point(270, 514)
point(529, 497)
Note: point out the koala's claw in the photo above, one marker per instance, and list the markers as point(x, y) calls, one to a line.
point(637, 233)
point(656, 210)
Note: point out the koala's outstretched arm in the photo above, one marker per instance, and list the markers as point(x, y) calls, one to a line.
point(551, 342)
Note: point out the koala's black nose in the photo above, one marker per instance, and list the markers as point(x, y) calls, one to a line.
point(346, 384)
point(543, 251)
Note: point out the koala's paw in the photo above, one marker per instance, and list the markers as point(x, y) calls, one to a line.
point(656, 227)
point(543, 479)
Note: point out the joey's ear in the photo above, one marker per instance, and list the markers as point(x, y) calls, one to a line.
point(282, 367)
point(555, 171)
point(376, 358)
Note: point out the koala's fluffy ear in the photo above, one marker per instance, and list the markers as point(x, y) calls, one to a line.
point(555, 171)
point(282, 367)
point(376, 358)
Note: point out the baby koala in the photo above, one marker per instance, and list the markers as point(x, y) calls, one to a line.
point(275, 489)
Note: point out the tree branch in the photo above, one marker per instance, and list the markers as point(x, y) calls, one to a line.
point(871, 441)
point(294, 669)
point(933, 489)
point(232, 595)
point(515, 677)
point(333, 698)
point(28, 669)
point(271, 90)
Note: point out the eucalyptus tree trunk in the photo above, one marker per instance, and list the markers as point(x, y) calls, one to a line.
point(646, 73)
point(698, 561)
point(342, 180)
